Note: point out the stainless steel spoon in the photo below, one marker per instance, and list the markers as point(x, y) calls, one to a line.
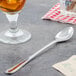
point(63, 35)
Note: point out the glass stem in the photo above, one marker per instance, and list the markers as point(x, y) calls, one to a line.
point(12, 22)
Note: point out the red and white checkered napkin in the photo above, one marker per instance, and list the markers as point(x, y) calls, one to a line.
point(55, 15)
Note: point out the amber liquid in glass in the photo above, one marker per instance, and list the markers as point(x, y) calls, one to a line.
point(10, 6)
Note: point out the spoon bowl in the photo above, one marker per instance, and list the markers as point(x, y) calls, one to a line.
point(65, 34)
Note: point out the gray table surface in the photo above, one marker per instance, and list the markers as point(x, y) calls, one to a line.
point(43, 32)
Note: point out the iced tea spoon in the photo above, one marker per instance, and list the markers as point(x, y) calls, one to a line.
point(63, 35)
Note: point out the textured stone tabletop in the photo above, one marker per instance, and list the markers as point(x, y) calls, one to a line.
point(43, 32)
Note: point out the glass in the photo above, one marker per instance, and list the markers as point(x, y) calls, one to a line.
point(68, 7)
point(13, 35)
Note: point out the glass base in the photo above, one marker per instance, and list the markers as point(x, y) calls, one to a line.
point(14, 37)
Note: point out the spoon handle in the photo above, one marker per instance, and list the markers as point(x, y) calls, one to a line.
point(21, 64)
point(41, 50)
